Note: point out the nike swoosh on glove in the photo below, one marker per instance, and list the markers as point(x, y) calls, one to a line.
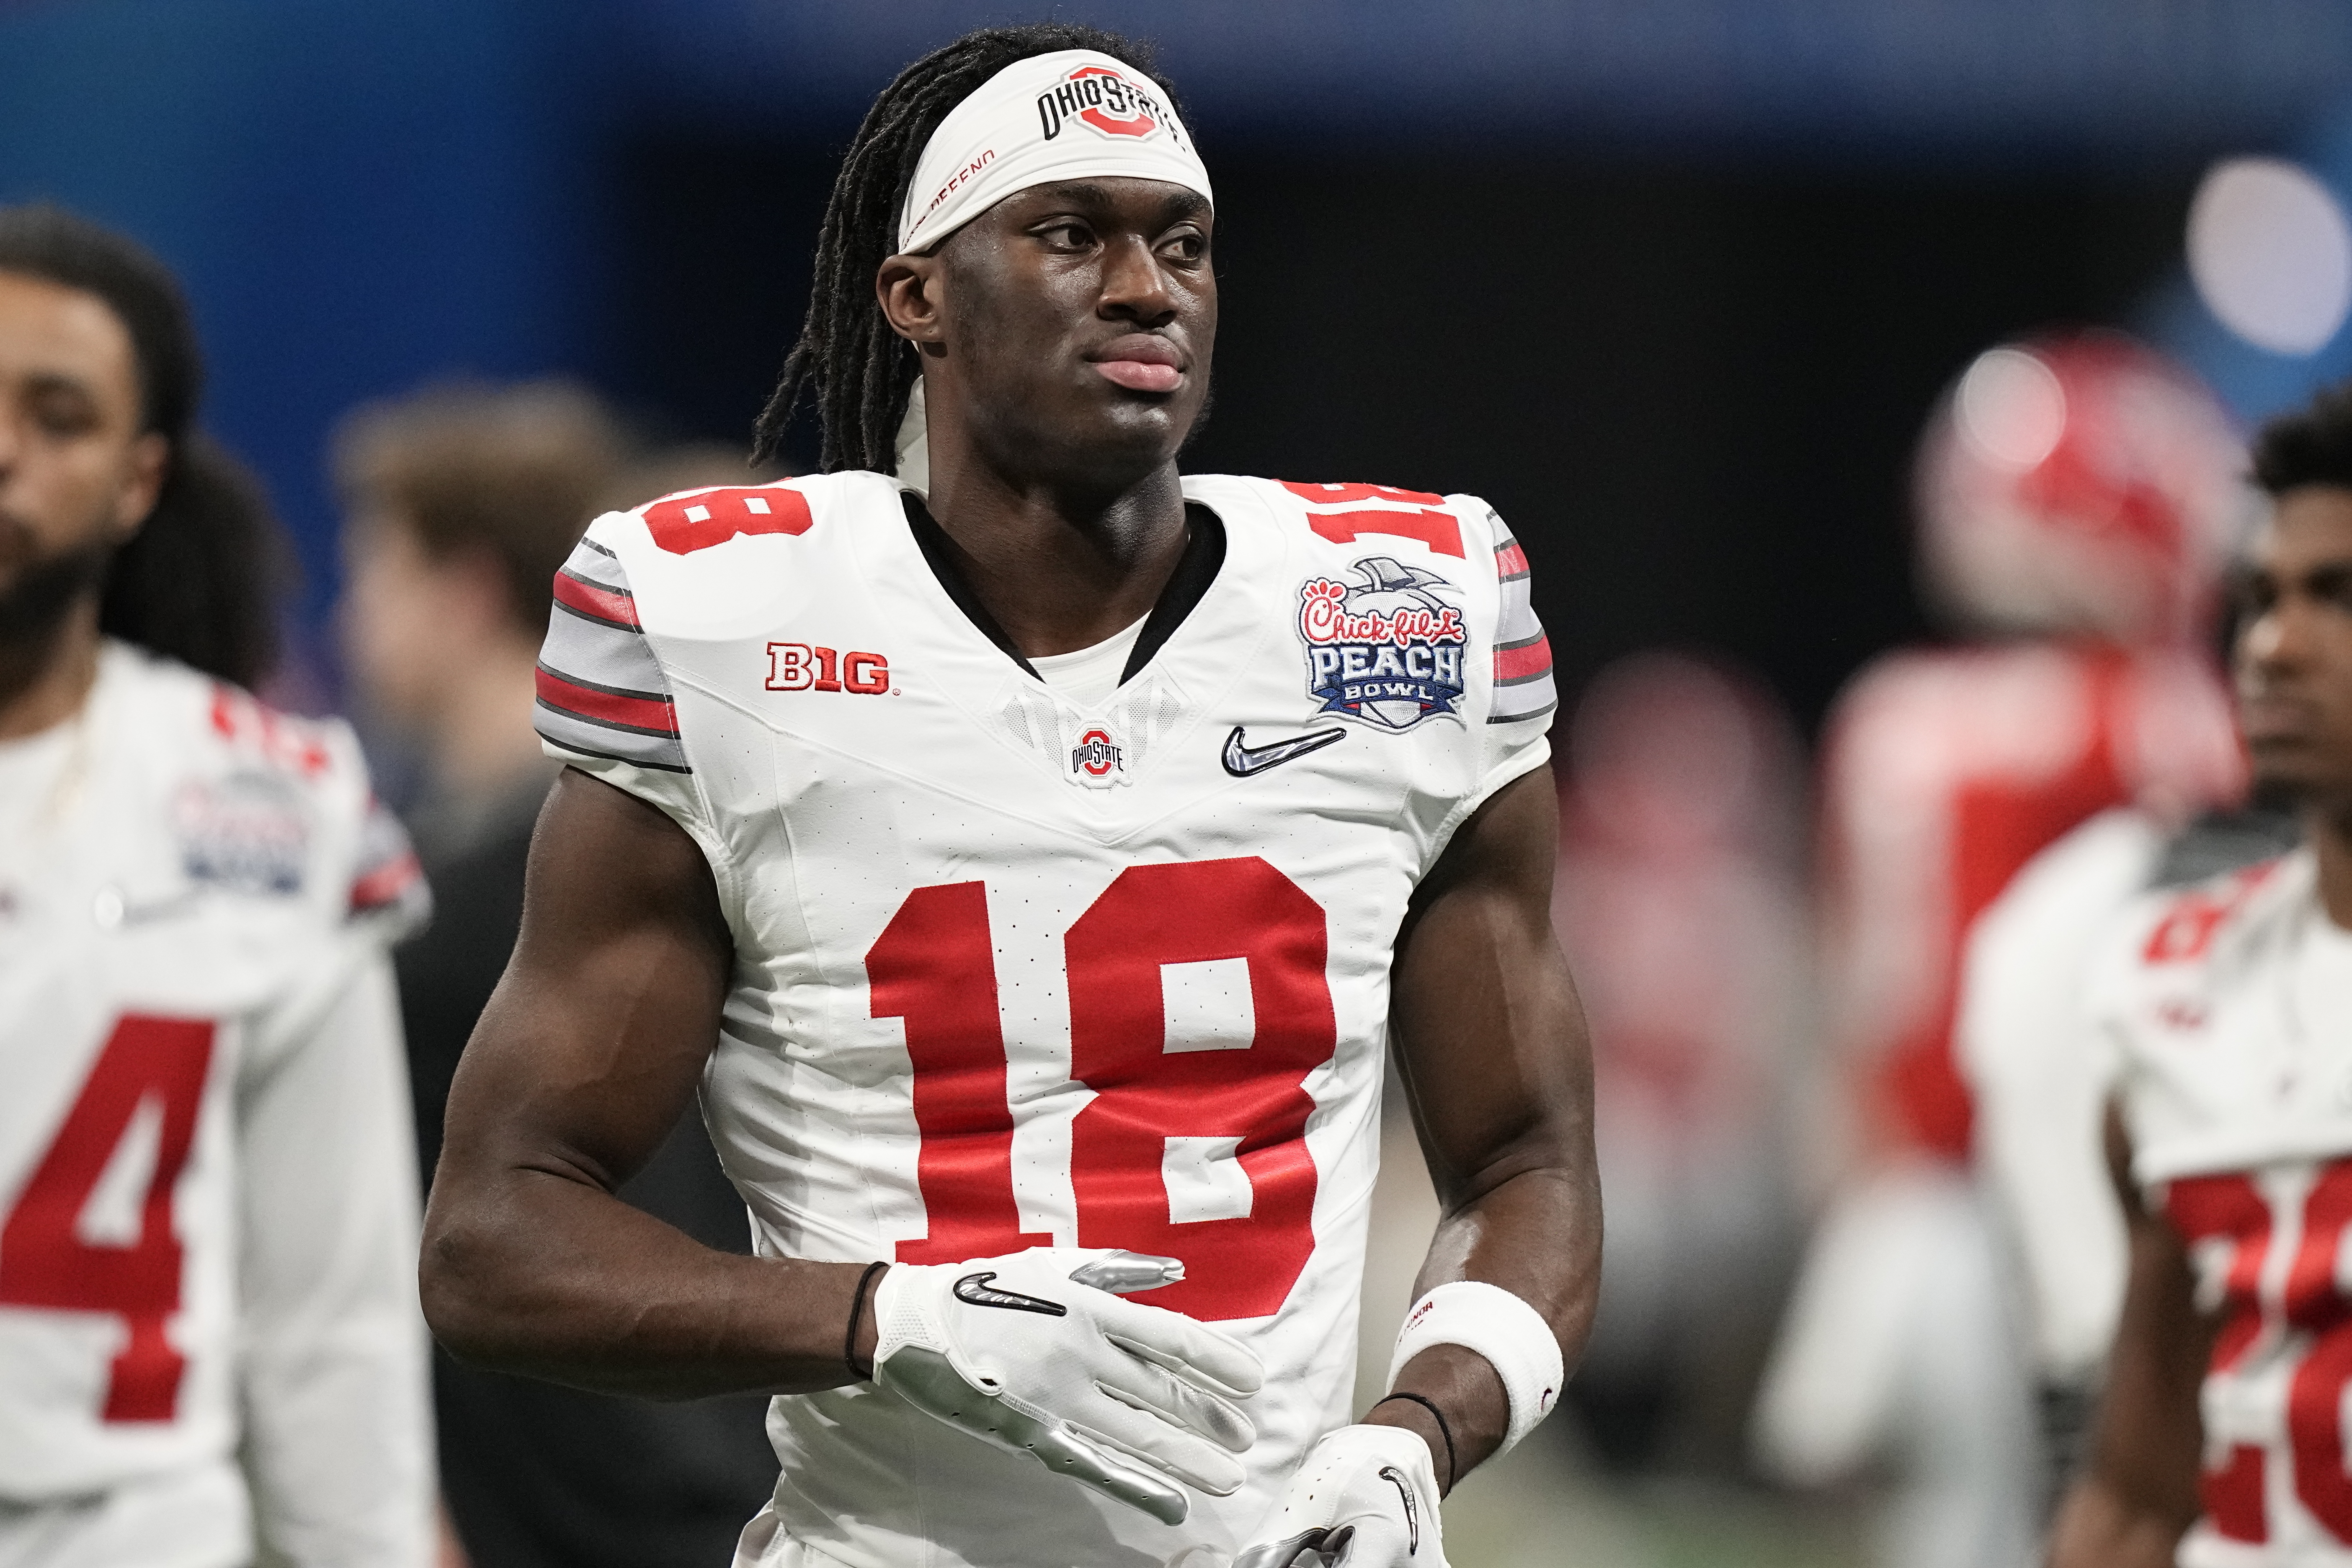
point(1366, 1497)
point(1035, 1353)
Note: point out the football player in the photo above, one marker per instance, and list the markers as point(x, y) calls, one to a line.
point(2076, 500)
point(2039, 1094)
point(208, 1322)
point(2221, 1438)
point(1033, 855)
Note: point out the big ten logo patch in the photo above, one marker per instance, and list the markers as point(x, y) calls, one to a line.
point(1387, 650)
point(1098, 760)
point(1102, 99)
point(807, 667)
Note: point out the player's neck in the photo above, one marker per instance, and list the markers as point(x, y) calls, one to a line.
point(1059, 568)
point(44, 681)
point(2330, 835)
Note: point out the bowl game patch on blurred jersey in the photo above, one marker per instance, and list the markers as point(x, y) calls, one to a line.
point(244, 833)
point(1387, 650)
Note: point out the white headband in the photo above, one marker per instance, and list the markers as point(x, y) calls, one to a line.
point(1072, 115)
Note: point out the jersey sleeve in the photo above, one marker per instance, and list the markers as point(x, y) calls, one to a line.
point(1524, 696)
point(2039, 1069)
point(605, 705)
point(332, 1360)
point(388, 898)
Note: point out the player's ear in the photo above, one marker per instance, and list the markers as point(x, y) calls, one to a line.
point(909, 289)
point(144, 472)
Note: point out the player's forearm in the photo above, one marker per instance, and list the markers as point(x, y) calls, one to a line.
point(552, 1277)
point(1536, 1235)
point(1463, 1386)
point(2100, 1527)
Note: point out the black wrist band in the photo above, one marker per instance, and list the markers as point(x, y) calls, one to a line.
point(857, 1310)
point(1442, 1430)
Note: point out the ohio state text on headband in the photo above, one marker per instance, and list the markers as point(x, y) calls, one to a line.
point(1071, 115)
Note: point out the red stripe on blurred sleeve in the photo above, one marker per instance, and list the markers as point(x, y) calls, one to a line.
point(385, 884)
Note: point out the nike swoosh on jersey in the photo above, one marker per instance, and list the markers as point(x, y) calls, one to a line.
point(974, 1291)
point(1243, 761)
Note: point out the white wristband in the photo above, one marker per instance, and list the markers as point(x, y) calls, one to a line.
point(1511, 1335)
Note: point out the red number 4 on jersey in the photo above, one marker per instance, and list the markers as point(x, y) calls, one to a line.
point(43, 1260)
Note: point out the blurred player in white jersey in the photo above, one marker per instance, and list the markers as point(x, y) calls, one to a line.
point(2039, 1084)
point(1033, 855)
point(208, 1325)
point(2075, 499)
point(2228, 1011)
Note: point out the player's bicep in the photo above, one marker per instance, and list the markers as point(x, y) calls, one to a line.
point(1488, 1035)
point(592, 1045)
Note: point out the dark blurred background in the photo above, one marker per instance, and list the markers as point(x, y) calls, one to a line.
point(1674, 283)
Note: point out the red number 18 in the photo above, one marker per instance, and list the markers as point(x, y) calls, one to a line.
point(934, 966)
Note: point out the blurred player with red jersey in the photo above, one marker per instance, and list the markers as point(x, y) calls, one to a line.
point(2227, 1013)
point(2075, 498)
point(209, 1341)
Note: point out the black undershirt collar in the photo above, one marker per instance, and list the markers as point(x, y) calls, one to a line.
point(1196, 570)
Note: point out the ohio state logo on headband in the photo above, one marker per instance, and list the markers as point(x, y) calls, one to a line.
point(1100, 96)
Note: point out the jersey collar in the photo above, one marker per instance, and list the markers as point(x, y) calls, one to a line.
point(1195, 574)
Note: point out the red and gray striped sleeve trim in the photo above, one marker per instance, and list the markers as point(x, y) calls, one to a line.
point(386, 879)
point(601, 690)
point(1523, 679)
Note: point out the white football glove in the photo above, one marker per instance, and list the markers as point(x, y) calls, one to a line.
point(1366, 1497)
point(1035, 1353)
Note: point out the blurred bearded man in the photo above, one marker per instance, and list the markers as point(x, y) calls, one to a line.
point(209, 1343)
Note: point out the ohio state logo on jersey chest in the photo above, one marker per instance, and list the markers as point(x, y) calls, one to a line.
point(1095, 757)
point(1386, 649)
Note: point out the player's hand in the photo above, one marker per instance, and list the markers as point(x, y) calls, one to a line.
point(1366, 1497)
point(1035, 1353)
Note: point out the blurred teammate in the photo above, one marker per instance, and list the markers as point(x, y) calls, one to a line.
point(461, 504)
point(1027, 861)
point(2076, 497)
point(1679, 907)
point(2039, 1084)
point(208, 1324)
point(2229, 1010)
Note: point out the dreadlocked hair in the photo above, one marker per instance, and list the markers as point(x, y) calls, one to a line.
point(199, 582)
point(858, 371)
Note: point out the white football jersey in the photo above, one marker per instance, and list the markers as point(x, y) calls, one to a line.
point(207, 1173)
point(1015, 972)
point(2229, 1010)
point(2022, 1042)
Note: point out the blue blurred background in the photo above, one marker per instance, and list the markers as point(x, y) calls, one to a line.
point(1672, 281)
